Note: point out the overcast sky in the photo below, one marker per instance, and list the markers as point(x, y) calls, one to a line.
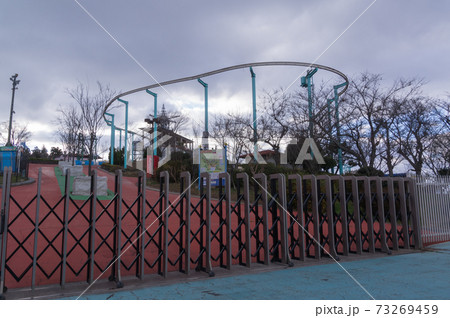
point(54, 44)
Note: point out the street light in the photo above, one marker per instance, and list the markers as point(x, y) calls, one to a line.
point(15, 83)
point(205, 133)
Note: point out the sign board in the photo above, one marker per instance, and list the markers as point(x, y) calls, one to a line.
point(213, 161)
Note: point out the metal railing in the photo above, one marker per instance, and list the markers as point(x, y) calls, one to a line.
point(155, 232)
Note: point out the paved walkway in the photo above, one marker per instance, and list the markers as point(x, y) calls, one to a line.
point(423, 275)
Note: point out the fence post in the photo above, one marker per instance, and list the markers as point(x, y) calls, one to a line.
point(356, 214)
point(208, 264)
point(143, 175)
point(300, 220)
point(415, 214)
point(265, 214)
point(330, 216)
point(186, 189)
point(315, 215)
point(36, 229)
point(380, 211)
point(65, 228)
point(248, 250)
point(4, 226)
point(226, 177)
point(164, 175)
point(368, 212)
point(93, 216)
point(118, 213)
point(392, 212)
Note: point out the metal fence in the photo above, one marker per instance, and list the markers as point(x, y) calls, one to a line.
point(433, 197)
point(283, 219)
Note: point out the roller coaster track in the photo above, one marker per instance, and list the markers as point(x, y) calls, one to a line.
point(227, 69)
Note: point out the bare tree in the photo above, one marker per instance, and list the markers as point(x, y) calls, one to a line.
point(415, 131)
point(19, 134)
point(69, 124)
point(91, 112)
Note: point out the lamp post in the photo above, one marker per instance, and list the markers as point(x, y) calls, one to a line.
point(205, 133)
point(126, 131)
point(111, 123)
point(14, 87)
point(155, 124)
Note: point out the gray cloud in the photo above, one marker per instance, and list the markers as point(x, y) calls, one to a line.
point(53, 45)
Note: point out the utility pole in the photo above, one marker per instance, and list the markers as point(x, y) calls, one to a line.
point(15, 83)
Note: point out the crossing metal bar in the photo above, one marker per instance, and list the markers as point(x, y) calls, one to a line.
point(392, 212)
point(368, 217)
point(356, 213)
point(248, 251)
point(404, 216)
point(343, 212)
point(281, 202)
point(414, 213)
point(261, 178)
point(186, 189)
point(65, 227)
point(36, 229)
point(226, 177)
point(315, 214)
point(330, 217)
point(207, 176)
point(298, 218)
point(380, 212)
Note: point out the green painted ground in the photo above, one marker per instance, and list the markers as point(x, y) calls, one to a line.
point(61, 180)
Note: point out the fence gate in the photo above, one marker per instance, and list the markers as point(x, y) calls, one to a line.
point(147, 232)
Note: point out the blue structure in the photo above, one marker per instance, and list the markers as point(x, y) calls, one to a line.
point(8, 157)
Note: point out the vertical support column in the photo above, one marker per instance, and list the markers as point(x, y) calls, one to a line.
point(36, 229)
point(226, 177)
point(93, 216)
point(205, 133)
point(113, 135)
point(186, 180)
point(126, 132)
point(155, 124)
point(338, 127)
point(255, 123)
point(265, 214)
point(343, 217)
point(65, 228)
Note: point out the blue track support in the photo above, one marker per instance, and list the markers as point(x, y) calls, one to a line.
point(205, 85)
point(255, 124)
point(126, 132)
point(307, 82)
point(338, 128)
point(113, 135)
point(155, 125)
